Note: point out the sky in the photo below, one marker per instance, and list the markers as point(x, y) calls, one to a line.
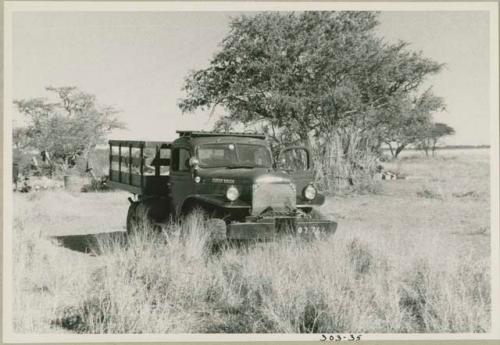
point(137, 62)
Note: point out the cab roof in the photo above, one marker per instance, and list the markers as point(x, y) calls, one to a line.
point(198, 134)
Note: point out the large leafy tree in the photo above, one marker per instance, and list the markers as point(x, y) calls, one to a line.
point(310, 72)
point(325, 79)
point(66, 128)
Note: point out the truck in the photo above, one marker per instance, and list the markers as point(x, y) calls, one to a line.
point(231, 177)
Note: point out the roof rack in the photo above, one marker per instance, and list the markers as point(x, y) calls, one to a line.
point(140, 143)
point(218, 134)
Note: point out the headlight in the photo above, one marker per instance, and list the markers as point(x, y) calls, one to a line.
point(232, 193)
point(310, 192)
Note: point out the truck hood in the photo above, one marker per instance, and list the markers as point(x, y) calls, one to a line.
point(243, 176)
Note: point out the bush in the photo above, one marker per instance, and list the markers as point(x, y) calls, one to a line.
point(430, 194)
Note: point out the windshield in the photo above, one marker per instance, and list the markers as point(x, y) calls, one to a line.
point(234, 155)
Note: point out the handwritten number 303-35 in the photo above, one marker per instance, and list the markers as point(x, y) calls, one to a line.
point(338, 337)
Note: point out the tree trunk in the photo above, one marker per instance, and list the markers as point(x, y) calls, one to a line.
point(391, 149)
point(434, 144)
point(306, 141)
point(399, 149)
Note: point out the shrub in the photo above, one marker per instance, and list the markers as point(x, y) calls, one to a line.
point(429, 194)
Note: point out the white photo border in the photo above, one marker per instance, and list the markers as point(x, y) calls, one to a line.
point(11, 7)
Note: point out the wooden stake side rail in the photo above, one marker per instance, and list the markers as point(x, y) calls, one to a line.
point(130, 173)
point(139, 144)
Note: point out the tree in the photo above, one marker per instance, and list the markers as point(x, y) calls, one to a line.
point(20, 137)
point(324, 76)
point(66, 129)
point(432, 134)
point(408, 121)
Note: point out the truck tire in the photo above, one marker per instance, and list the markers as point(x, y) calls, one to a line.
point(146, 214)
point(218, 230)
point(216, 225)
point(132, 219)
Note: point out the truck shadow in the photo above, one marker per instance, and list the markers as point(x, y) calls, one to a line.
point(89, 243)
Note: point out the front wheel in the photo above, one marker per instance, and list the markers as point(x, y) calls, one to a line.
point(216, 226)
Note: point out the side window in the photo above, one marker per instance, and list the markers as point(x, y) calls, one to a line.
point(164, 168)
point(294, 159)
point(180, 159)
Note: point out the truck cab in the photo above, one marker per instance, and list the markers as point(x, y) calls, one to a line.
point(232, 177)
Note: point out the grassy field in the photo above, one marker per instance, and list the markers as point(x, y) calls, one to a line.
point(413, 257)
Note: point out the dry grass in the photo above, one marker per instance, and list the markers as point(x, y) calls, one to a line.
point(400, 262)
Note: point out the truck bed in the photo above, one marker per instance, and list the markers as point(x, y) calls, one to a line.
point(139, 167)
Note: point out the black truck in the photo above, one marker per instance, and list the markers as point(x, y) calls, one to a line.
point(232, 177)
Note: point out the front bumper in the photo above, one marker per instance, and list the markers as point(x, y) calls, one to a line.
point(269, 229)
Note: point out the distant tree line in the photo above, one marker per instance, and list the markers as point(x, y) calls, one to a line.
point(323, 79)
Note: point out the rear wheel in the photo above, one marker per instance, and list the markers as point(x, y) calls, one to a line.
point(146, 214)
point(132, 219)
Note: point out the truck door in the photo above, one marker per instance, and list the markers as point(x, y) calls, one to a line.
point(296, 162)
point(181, 180)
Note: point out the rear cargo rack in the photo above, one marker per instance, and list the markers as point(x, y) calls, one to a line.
point(128, 168)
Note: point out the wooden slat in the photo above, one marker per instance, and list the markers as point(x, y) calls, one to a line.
point(130, 164)
point(126, 187)
point(125, 177)
point(140, 143)
point(120, 162)
point(142, 167)
point(136, 161)
point(114, 175)
point(110, 159)
point(133, 143)
point(136, 180)
point(161, 161)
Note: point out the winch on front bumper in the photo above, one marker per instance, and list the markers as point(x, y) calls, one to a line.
point(268, 228)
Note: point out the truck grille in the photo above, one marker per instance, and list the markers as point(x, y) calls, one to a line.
point(277, 196)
